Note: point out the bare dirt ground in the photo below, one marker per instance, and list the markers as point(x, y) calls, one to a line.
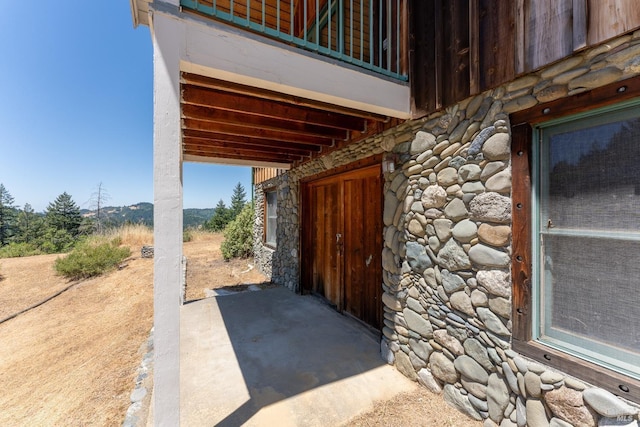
point(72, 361)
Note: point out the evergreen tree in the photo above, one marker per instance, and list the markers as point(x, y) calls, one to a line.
point(64, 215)
point(29, 226)
point(220, 218)
point(7, 216)
point(238, 200)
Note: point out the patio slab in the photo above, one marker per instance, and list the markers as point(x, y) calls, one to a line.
point(276, 358)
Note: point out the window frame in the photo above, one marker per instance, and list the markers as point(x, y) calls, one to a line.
point(524, 313)
point(265, 221)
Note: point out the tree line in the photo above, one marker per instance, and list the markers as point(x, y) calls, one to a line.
point(24, 232)
point(57, 230)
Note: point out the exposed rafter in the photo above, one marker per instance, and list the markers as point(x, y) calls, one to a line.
point(207, 82)
point(222, 120)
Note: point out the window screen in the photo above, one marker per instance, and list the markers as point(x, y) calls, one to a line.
point(588, 224)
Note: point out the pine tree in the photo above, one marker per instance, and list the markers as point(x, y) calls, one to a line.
point(29, 225)
point(7, 216)
point(63, 214)
point(238, 200)
point(220, 218)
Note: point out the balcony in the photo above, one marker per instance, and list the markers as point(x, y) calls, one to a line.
point(370, 34)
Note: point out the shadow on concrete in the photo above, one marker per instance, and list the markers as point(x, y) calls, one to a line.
point(296, 357)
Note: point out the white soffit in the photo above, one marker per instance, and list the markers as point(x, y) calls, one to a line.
point(216, 50)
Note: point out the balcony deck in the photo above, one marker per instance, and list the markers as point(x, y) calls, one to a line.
point(370, 34)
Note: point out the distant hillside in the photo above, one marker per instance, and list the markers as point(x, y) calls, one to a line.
point(142, 213)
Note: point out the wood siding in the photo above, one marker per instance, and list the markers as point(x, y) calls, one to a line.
point(460, 48)
point(261, 175)
point(342, 242)
point(356, 42)
point(277, 14)
point(607, 19)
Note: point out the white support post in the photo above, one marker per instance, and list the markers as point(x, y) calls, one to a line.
point(167, 180)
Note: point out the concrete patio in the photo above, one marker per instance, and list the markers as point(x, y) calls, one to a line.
point(271, 357)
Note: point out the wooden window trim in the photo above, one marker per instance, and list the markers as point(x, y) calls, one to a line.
point(265, 216)
point(522, 124)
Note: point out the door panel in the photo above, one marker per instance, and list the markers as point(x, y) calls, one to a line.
point(342, 242)
point(324, 253)
point(363, 246)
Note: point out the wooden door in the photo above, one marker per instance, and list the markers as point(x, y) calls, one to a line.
point(326, 241)
point(342, 242)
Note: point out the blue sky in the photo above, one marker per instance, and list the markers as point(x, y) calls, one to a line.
point(76, 108)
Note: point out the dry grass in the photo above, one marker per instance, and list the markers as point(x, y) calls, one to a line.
point(133, 235)
point(72, 360)
point(418, 408)
point(206, 269)
point(204, 235)
point(27, 281)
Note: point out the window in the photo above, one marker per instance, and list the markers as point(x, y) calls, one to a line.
point(576, 222)
point(270, 223)
point(587, 236)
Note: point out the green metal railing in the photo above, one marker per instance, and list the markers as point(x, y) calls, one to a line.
point(366, 33)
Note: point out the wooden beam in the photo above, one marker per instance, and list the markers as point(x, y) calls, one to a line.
point(207, 82)
point(251, 105)
point(197, 142)
point(240, 152)
point(253, 132)
point(242, 156)
point(281, 124)
point(241, 140)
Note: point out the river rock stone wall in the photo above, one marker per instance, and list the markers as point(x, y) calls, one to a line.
point(262, 254)
point(281, 264)
point(447, 249)
point(447, 254)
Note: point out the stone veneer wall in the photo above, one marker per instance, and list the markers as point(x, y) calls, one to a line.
point(447, 255)
point(447, 245)
point(262, 254)
point(281, 264)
